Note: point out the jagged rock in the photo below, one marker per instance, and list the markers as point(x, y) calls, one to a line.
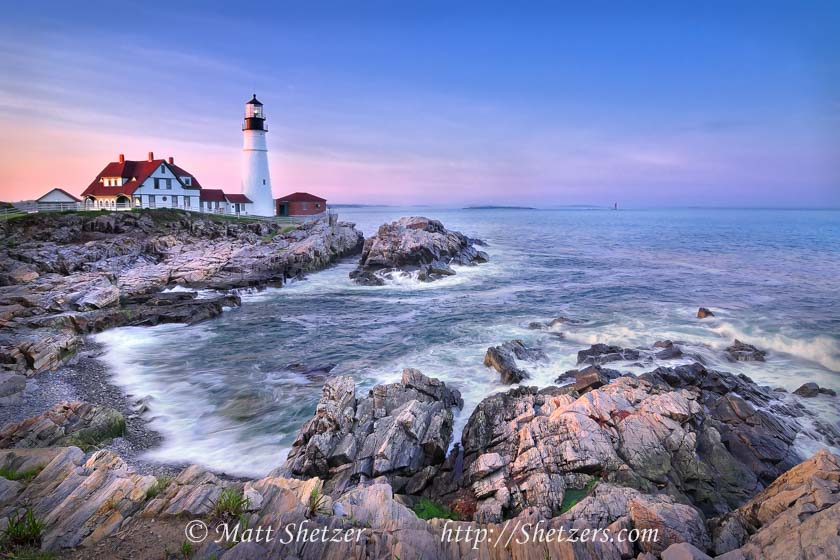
point(588, 378)
point(669, 352)
point(397, 431)
point(797, 516)
point(598, 354)
point(414, 244)
point(503, 359)
point(67, 423)
point(81, 266)
point(82, 502)
point(702, 313)
point(190, 494)
point(742, 352)
point(707, 438)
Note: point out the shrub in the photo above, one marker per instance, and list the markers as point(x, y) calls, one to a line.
point(574, 495)
point(427, 509)
point(231, 503)
point(24, 529)
point(317, 504)
point(159, 486)
point(11, 474)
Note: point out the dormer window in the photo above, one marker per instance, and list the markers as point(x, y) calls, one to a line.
point(188, 181)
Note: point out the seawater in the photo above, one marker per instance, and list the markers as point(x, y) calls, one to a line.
point(231, 394)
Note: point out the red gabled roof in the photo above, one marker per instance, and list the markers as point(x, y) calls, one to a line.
point(181, 173)
point(212, 195)
point(59, 190)
point(136, 172)
point(236, 197)
point(302, 197)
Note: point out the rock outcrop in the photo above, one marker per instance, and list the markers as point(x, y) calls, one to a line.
point(702, 313)
point(503, 358)
point(706, 438)
point(399, 431)
point(67, 423)
point(66, 275)
point(414, 244)
point(742, 352)
point(588, 378)
point(796, 517)
point(598, 354)
point(80, 502)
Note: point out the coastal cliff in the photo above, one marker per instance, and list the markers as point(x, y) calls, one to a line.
point(66, 275)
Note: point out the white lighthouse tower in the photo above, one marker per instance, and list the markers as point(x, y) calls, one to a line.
point(256, 180)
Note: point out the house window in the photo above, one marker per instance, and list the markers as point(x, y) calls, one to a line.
point(164, 199)
point(263, 181)
point(317, 205)
point(175, 201)
point(162, 168)
point(186, 202)
point(304, 205)
point(157, 183)
point(188, 181)
point(151, 201)
point(169, 184)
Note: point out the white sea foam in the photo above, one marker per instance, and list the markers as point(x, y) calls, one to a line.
point(821, 349)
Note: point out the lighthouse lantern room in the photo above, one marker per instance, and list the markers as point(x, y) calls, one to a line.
point(256, 179)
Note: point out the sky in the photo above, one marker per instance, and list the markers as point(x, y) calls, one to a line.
point(446, 103)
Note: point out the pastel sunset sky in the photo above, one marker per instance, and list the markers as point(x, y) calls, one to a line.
point(649, 104)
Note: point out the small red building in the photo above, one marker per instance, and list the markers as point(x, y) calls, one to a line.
point(300, 204)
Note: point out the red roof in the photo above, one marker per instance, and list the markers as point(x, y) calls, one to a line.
point(302, 197)
point(212, 195)
point(181, 173)
point(136, 172)
point(236, 197)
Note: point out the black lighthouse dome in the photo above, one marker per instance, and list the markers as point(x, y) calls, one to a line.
point(254, 115)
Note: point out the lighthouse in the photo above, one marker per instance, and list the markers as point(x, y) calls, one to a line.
point(256, 180)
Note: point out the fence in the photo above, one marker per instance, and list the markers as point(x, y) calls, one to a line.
point(32, 207)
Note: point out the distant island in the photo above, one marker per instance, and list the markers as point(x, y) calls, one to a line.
point(360, 206)
point(499, 208)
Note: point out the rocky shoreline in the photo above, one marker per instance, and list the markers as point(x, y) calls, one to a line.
point(706, 459)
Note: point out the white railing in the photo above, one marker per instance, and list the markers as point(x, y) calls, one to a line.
point(34, 207)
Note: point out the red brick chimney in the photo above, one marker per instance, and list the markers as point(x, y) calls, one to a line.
point(171, 160)
point(122, 158)
point(151, 156)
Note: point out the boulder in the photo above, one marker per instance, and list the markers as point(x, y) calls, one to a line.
point(808, 390)
point(588, 378)
point(503, 359)
point(399, 431)
point(598, 354)
point(702, 313)
point(414, 244)
point(67, 423)
point(742, 352)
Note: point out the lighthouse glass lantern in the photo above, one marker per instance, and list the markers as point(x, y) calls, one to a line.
point(254, 115)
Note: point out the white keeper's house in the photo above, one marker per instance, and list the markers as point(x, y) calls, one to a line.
point(155, 183)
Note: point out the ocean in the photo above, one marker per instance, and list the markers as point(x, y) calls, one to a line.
point(231, 393)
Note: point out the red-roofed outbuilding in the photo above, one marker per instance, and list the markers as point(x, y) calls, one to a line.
point(300, 204)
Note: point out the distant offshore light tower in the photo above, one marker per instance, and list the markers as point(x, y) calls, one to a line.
point(256, 180)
